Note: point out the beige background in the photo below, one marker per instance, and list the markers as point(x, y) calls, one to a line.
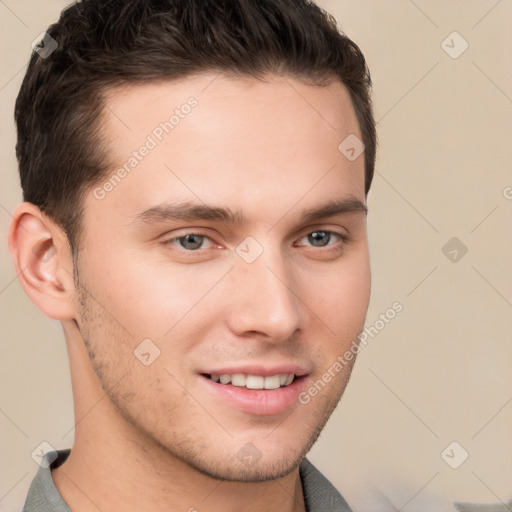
point(440, 371)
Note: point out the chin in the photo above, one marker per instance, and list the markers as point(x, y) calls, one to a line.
point(259, 471)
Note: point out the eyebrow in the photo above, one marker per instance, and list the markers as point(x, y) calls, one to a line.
point(192, 211)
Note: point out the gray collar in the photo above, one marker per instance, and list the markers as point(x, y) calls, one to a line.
point(319, 494)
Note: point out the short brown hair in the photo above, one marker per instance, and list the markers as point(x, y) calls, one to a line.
point(102, 44)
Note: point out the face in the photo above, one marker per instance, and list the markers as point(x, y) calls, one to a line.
point(226, 268)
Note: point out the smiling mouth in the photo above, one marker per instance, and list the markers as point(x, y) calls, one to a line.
point(253, 381)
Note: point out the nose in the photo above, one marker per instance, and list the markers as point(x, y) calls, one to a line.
point(264, 299)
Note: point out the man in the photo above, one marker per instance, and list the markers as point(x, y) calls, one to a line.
point(195, 178)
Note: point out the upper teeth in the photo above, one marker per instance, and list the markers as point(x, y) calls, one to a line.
point(254, 381)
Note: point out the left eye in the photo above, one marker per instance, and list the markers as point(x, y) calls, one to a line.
point(191, 242)
point(320, 238)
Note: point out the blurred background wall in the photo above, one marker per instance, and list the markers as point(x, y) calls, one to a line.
point(427, 416)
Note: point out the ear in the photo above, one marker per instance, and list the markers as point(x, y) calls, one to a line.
point(42, 258)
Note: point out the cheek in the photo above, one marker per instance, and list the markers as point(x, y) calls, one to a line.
point(341, 297)
point(152, 297)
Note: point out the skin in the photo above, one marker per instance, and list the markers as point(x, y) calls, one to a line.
point(153, 437)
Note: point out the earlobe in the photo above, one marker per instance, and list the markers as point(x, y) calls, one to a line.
point(43, 261)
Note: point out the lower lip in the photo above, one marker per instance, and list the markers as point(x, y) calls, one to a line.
point(260, 402)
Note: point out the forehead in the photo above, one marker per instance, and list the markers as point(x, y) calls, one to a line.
point(217, 139)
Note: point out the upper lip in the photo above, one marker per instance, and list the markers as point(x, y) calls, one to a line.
point(259, 369)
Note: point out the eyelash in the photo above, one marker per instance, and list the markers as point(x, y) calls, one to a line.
point(344, 240)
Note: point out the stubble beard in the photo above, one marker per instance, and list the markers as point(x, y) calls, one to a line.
point(188, 451)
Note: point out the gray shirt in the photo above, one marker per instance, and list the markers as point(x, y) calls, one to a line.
point(489, 507)
point(319, 494)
